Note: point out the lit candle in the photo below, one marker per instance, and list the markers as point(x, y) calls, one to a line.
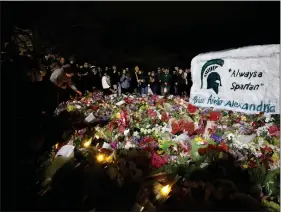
point(165, 190)
point(100, 158)
point(162, 192)
point(87, 143)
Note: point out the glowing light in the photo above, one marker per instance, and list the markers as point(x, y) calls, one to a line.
point(87, 143)
point(100, 158)
point(165, 190)
point(57, 145)
point(97, 137)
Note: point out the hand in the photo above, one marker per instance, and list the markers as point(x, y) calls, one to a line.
point(79, 93)
point(166, 83)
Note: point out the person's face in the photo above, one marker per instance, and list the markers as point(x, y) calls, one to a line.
point(149, 73)
point(180, 71)
point(106, 69)
point(176, 68)
point(69, 75)
point(62, 60)
point(137, 69)
point(174, 72)
point(124, 71)
point(43, 73)
point(152, 73)
point(86, 65)
point(159, 71)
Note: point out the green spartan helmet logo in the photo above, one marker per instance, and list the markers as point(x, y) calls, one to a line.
point(213, 79)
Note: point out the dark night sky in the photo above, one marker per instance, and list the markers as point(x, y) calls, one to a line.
point(148, 32)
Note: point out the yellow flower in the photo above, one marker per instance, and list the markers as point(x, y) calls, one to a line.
point(199, 139)
point(275, 157)
point(117, 115)
point(243, 118)
point(245, 166)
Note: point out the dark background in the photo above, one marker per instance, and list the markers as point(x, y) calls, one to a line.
point(147, 33)
point(125, 33)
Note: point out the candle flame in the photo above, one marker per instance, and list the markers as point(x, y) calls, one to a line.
point(100, 158)
point(87, 143)
point(165, 190)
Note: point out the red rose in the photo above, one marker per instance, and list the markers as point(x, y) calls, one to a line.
point(151, 113)
point(121, 129)
point(214, 116)
point(211, 147)
point(255, 125)
point(191, 108)
point(146, 141)
point(175, 128)
point(202, 151)
point(164, 117)
point(224, 146)
point(95, 107)
point(181, 124)
point(274, 131)
point(189, 128)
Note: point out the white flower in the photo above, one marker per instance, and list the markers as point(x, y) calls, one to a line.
point(126, 132)
point(147, 126)
point(263, 129)
point(129, 145)
point(136, 133)
point(203, 165)
point(230, 136)
point(149, 131)
point(272, 146)
point(268, 119)
point(258, 154)
point(142, 130)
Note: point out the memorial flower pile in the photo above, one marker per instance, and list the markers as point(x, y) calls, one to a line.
point(153, 134)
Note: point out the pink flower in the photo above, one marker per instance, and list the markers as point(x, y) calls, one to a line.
point(274, 131)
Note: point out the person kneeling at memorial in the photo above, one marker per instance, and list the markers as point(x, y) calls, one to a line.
point(61, 77)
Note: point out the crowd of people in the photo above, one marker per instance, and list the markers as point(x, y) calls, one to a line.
point(60, 79)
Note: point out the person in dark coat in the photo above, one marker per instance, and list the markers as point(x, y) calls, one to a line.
point(134, 87)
